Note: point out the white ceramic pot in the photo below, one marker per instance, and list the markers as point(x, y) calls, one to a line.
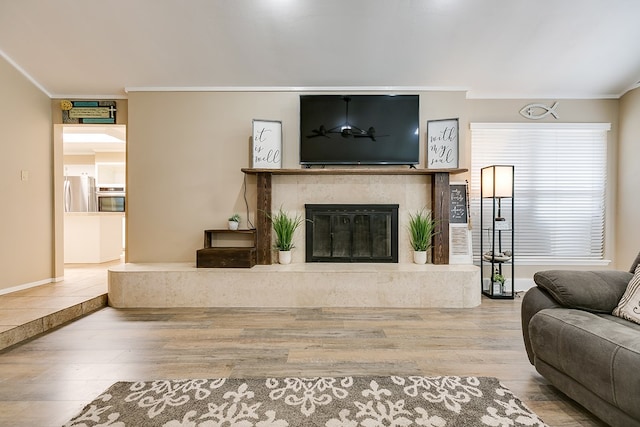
point(284, 257)
point(233, 225)
point(420, 257)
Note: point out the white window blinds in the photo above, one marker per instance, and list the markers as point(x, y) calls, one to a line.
point(559, 186)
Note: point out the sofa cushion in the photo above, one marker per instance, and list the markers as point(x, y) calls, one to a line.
point(599, 351)
point(629, 305)
point(596, 291)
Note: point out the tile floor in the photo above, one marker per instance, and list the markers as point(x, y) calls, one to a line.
point(30, 312)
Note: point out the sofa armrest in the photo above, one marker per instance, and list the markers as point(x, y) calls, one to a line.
point(595, 291)
point(533, 301)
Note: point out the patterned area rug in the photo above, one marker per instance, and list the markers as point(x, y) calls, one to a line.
point(322, 401)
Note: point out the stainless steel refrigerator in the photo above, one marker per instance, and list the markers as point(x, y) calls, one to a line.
point(80, 194)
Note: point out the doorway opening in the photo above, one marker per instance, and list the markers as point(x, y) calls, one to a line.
point(90, 169)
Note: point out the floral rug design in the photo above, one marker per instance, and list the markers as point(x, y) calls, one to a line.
point(321, 401)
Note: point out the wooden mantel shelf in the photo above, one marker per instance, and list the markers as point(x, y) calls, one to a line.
point(353, 171)
point(439, 196)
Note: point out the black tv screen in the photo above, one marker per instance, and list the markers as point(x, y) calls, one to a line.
point(359, 129)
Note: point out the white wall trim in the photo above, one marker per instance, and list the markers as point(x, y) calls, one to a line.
point(523, 285)
point(547, 262)
point(540, 126)
point(296, 89)
point(321, 89)
point(28, 286)
point(533, 96)
point(568, 262)
point(92, 97)
point(24, 73)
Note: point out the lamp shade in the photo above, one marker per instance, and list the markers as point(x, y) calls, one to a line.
point(497, 181)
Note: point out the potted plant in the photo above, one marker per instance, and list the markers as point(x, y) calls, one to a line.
point(421, 230)
point(234, 221)
point(284, 226)
point(498, 279)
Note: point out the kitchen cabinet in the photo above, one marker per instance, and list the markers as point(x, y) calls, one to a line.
point(92, 237)
point(110, 174)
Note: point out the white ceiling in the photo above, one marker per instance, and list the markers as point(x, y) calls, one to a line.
point(490, 48)
point(92, 139)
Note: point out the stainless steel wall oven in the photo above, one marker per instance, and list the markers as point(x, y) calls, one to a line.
point(111, 199)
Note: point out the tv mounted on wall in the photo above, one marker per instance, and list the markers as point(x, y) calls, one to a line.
point(359, 130)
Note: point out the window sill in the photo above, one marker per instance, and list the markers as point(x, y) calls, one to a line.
point(561, 261)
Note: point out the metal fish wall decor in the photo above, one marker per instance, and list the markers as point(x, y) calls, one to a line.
point(539, 111)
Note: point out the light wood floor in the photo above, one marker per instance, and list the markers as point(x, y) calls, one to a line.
point(47, 380)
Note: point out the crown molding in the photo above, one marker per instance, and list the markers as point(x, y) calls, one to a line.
point(296, 89)
point(24, 73)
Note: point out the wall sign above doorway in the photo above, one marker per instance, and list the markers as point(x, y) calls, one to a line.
point(101, 112)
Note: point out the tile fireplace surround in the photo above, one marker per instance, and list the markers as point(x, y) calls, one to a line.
point(301, 284)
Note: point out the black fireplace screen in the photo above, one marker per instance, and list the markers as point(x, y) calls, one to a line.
point(351, 233)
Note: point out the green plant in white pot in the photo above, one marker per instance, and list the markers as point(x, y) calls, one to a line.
point(498, 279)
point(284, 226)
point(422, 228)
point(234, 222)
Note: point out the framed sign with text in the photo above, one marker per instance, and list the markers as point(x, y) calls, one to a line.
point(442, 144)
point(460, 247)
point(266, 147)
point(95, 112)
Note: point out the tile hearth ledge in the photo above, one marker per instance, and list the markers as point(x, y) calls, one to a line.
point(300, 285)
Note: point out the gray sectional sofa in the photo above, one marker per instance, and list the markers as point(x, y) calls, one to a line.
point(578, 346)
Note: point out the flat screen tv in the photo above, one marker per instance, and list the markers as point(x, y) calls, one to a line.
point(359, 129)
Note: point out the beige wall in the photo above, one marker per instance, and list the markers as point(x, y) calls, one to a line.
point(185, 153)
point(628, 212)
point(26, 220)
point(92, 159)
point(186, 150)
point(107, 157)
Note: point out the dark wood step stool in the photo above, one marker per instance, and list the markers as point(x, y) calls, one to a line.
point(226, 256)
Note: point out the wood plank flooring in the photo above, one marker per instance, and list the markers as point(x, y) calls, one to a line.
point(45, 381)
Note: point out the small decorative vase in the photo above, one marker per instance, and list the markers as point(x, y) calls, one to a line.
point(420, 257)
point(284, 257)
point(233, 225)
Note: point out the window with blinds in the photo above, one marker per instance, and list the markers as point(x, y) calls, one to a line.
point(559, 186)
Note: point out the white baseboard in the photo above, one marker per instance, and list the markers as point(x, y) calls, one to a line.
point(523, 284)
point(28, 285)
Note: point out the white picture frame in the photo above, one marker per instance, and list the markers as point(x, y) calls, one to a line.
point(442, 144)
point(266, 144)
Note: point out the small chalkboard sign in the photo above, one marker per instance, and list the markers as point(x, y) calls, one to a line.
point(458, 213)
point(460, 250)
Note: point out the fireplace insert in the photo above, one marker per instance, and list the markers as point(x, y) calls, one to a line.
point(351, 233)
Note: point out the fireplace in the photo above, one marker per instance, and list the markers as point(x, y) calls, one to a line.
point(351, 233)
